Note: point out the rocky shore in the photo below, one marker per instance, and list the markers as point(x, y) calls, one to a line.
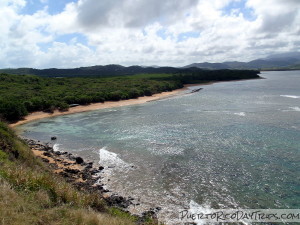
point(85, 176)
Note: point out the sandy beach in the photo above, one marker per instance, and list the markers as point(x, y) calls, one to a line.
point(109, 104)
point(95, 106)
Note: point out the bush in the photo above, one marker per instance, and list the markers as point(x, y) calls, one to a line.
point(12, 110)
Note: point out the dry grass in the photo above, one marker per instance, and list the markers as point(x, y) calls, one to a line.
point(31, 194)
point(17, 208)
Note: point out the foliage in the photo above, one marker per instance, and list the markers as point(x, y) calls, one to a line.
point(20, 94)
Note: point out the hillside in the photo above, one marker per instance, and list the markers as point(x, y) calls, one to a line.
point(31, 194)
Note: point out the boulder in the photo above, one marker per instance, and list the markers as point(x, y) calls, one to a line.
point(101, 168)
point(79, 160)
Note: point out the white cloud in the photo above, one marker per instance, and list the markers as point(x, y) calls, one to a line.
point(146, 32)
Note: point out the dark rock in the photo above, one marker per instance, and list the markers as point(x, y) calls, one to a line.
point(79, 160)
point(64, 174)
point(48, 148)
point(89, 166)
point(146, 215)
point(53, 138)
point(47, 154)
point(73, 171)
point(101, 168)
point(45, 160)
point(116, 200)
point(85, 176)
point(196, 90)
point(94, 171)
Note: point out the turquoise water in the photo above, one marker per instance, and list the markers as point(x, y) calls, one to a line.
point(233, 144)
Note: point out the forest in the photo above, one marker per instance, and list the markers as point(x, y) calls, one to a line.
point(22, 94)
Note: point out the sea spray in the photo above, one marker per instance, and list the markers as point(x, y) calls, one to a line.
point(56, 147)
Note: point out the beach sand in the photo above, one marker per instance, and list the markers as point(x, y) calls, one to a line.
point(95, 106)
point(110, 104)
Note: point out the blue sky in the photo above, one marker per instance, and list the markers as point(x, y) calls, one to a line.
point(54, 7)
point(65, 33)
point(236, 7)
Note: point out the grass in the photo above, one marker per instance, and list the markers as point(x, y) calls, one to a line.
point(31, 194)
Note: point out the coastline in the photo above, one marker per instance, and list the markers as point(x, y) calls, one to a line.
point(85, 176)
point(64, 164)
point(112, 104)
point(105, 105)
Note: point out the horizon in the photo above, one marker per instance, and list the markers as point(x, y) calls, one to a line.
point(70, 34)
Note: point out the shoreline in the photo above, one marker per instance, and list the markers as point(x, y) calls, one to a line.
point(105, 105)
point(112, 104)
point(85, 176)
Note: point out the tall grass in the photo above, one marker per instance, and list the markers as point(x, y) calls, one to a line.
point(31, 194)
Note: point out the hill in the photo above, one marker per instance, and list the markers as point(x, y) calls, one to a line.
point(286, 61)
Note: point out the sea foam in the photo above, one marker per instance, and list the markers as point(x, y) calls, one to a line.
point(290, 96)
point(240, 114)
point(56, 147)
point(111, 159)
point(297, 109)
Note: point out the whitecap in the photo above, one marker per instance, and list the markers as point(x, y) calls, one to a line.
point(295, 108)
point(240, 114)
point(112, 160)
point(109, 157)
point(290, 96)
point(55, 147)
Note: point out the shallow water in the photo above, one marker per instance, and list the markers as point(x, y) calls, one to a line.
point(233, 144)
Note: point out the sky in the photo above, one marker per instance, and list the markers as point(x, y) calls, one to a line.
point(75, 33)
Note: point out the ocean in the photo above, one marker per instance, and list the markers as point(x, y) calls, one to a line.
point(231, 145)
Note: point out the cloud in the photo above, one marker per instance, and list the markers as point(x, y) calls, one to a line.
point(276, 15)
point(128, 32)
point(130, 13)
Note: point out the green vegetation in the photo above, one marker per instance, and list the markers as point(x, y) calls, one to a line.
point(31, 194)
point(21, 94)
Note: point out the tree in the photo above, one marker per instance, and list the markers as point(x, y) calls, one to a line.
point(12, 110)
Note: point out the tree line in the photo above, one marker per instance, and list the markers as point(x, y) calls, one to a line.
point(22, 94)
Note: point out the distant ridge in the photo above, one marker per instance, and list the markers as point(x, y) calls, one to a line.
point(285, 61)
point(282, 61)
point(100, 71)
